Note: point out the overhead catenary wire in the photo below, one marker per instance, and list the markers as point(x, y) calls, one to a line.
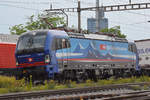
point(23, 2)
point(120, 2)
point(137, 23)
point(26, 8)
point(38, 9)
point(129, 25)
point(133, 24)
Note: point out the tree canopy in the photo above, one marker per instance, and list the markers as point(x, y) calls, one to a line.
point(37, 22)
point(114, 30)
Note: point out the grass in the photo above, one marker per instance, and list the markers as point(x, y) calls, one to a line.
point(10, 84)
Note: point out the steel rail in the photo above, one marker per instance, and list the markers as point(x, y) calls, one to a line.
point(133, 95)
point(47, 93)
point(123, 96)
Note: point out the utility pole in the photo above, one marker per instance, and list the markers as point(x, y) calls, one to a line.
point(51, 6)
point(97, 16)
point(79, 16)
point(129, 1)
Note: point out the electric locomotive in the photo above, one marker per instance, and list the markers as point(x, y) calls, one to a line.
point(61, 55)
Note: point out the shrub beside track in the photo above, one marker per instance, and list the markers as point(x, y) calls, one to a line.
point(10, 85)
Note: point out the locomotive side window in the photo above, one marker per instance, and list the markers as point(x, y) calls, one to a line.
point(132, 48)
point(129, 47)
point(60, 43)
point(67, 43)
point(56, 44)
point(140, 59)
point(64, 44)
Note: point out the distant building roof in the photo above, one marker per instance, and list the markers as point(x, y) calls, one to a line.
point(143, 40)
point(8, 38)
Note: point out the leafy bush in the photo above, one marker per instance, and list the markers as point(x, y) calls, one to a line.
point(51, 84)
point(71, 84)
point(10, 84)
point(6, 82)
point(4, 90)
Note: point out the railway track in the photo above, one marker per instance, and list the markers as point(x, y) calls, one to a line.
point(109, 92)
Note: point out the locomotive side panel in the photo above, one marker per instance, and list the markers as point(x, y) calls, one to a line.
point(87, 54)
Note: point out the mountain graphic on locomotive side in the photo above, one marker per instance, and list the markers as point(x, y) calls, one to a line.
point(61, 55)
point(91, 52)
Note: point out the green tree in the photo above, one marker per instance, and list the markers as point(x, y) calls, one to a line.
point(114, 30)
point(37, 22)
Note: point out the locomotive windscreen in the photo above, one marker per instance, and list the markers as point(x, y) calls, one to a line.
point(31, 43)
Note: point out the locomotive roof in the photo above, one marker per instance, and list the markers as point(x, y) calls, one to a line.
point(96, 36)
point(81, 35)
point(42, 31)
point(7, 38)
point(34, 32)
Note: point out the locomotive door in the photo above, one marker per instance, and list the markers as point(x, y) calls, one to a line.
point(60, 53)
point(134, 54)
point(132, 49)
point(61, 47)
point(65, 52)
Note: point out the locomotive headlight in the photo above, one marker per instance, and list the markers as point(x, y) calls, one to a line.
point(47, 59)
point(17, 63)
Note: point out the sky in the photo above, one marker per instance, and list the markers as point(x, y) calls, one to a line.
point(133, 23)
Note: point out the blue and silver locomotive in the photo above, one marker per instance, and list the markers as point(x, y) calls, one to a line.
point(61, 55)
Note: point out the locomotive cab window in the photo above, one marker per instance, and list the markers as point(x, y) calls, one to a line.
point(60, 43)
point(30, 43)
